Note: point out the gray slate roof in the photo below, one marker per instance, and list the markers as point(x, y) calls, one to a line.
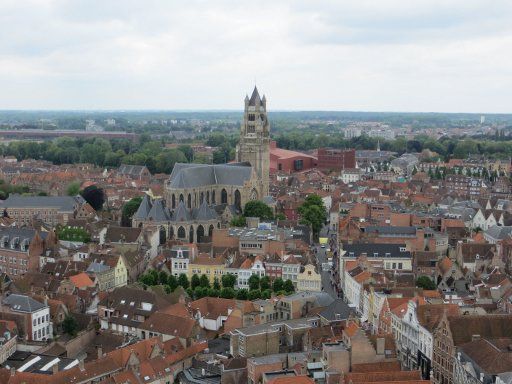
point(159, 212)
point(144, 208)
point(63, 203)
point(181, 213)
point(337, 310)
point(198, 175)
point(132, 170)
point(204, 213)
point(376, 250)
point(14, 238)
point(500, 233)
point(97, 267)
point(255, 97)
point(23, 303)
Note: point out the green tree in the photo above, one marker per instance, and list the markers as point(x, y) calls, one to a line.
point(265, 283)
point(172, 281)
point(73, 188)
point(242, 294)
point(187, 151)
point(238, 221)
point(148, 279)
point(164, 162)
point(228, 280)
point(464, 148)
point(220, 156)
point(216, 283)
point(183, 281)
point(313, 213)
point(204, 281)
point(278, 285)
point(94, 196)
point(212, 292)
point(288, 286)
point(266, 294)
point(195, 281)
point(254, 294)
point(227, 293)
point(254, 282)
point(129, 210)
point(70, 325)
point(314, 216)
point(256, 208)
point(199, 292)
point(73, 234)
point(425, 282)
point(163, 278)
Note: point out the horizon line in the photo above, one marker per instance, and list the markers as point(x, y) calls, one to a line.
point(121, 110)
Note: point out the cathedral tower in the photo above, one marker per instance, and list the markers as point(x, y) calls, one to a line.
point(254, 144)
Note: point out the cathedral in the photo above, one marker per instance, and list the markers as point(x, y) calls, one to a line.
point(201, 197)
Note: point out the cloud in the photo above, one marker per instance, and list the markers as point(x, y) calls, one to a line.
point(424, 55)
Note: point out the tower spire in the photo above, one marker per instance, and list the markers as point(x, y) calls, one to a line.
point(254, 144)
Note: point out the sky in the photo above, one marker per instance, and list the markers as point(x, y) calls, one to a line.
point(347, 55)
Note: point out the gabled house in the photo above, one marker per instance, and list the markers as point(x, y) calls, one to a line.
point(124, 309)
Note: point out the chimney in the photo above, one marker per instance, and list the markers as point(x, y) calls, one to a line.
point(100, 352)
point(81, 365)
point(380, 345)
point(55, 368)
point(475, 337)
point(13, 371)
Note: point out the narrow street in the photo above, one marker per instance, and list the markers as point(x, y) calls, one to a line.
point(321, 257)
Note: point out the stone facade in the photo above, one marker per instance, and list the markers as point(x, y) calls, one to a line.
point(199, 198)
point(254, 145)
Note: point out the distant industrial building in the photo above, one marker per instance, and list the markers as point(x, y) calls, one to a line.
point(336, 159)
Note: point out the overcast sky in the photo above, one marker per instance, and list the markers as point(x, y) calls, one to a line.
point(361, 55)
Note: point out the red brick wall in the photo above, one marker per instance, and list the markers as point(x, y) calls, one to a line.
point(336, 158)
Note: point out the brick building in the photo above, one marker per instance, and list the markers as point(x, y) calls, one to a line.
point(283, 160)
point(31, 317)
point(51, 210)
point(336, 159)
point(455, 331)
point(20, 249)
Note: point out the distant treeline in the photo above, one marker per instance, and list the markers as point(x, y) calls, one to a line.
point(159, 159)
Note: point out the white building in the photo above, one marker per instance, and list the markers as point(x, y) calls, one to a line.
point(180, 258)
point(290, 269)
point(39, 325)
point(249, 268)
point(350, 175)
point(413, 329)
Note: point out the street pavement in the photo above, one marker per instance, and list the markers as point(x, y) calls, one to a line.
point(321, 258)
